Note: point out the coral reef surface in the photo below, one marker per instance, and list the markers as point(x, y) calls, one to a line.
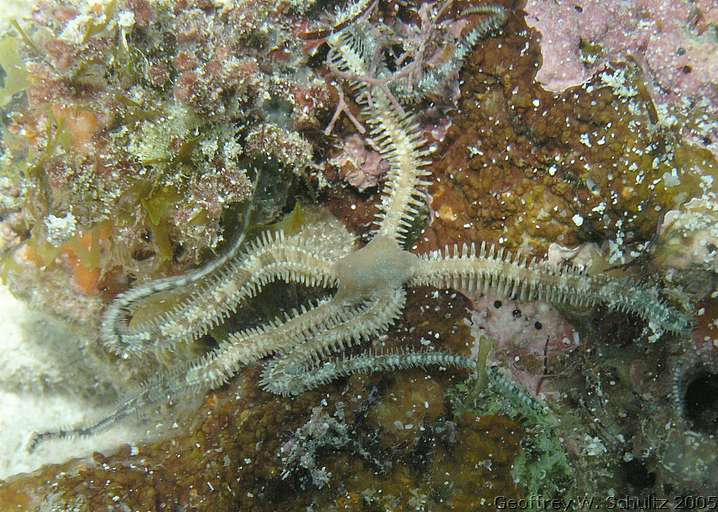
point(139, 138)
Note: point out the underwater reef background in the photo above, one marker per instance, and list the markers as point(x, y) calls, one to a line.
point(137, 134)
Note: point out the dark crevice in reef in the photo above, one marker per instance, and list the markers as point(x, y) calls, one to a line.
point(637, 474)
point(701, 402)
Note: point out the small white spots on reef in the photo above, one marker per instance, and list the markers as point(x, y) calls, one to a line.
point(577, 219)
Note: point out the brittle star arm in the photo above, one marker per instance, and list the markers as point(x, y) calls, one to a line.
point(293, 372)
point(373, 318)
point(297, 379)
point(492, 270)
point(216, 294)
point(397, 137)
point(344, 18)
point(434, 79)
point(213, 370)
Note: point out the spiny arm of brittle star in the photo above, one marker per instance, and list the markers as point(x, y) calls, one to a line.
point(397, 136)
point(493, 271)
point(434, 79)
point(270, 258)
point(165, 387)
point(248, 347)
point(316, 374)
point(294, 381)
point(343, 19)
point(282, 374)
point(127, 407)
point(216, 368)
point(112, 323)
point(401, 143)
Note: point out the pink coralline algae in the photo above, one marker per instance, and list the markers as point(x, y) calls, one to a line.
point(672, 41)
point(359, 166)
point(529, 337)
point(663, 36)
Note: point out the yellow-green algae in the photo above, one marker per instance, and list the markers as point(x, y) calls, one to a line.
point(15, 79)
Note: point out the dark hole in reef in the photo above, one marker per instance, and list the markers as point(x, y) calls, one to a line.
point(178, 252)
point(686, 69)
point(497, 304)
point(206, 343)
point(637, 474)
point(392, 56)
point(516, 313)
point(578, 8)
point(319, 58)
point(616, 328)
point(701, 403)
point(538, 326)
point(142, 254)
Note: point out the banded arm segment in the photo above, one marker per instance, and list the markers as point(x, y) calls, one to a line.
point(305, 367)
point(249, 346)
point(216, 368)
point(434, 79)
point(491, 271)
point(286, 373)
point(296, 380)
point(396, 135)
point(214, 296)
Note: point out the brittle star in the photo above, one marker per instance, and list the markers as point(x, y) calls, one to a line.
point(369, 282)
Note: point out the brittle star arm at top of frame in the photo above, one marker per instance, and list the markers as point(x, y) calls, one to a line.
point(215, 296)
point(489, 270)
point(436, 78)
point(396, 135)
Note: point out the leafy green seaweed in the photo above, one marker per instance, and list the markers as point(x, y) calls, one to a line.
point(15, 79)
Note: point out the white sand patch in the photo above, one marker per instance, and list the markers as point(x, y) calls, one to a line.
point(39, 391)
